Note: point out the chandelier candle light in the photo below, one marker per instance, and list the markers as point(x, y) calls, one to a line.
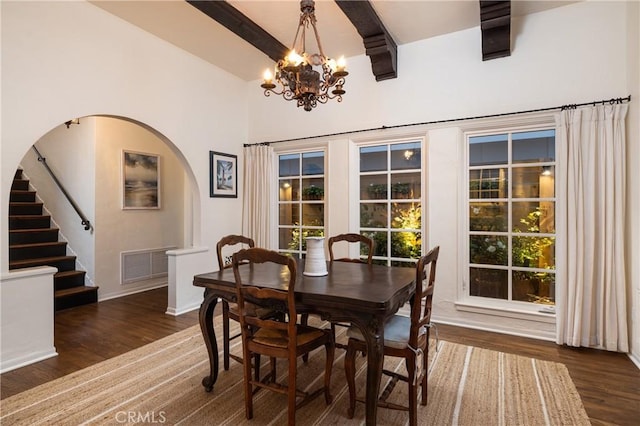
point(295, 74)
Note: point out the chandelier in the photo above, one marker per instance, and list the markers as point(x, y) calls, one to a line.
point(296, 76)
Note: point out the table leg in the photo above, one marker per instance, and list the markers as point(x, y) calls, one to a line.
point(209, 335)
point(374, 335)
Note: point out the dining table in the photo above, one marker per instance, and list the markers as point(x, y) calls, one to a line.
point(361, 294)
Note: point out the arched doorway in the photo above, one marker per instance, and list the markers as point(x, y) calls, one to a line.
point(123, 252)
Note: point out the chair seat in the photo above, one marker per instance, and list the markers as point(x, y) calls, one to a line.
point(280, 338)
point(396, 332)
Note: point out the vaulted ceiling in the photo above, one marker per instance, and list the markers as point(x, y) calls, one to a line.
point(244, 37)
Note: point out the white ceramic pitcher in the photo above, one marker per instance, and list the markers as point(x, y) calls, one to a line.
point(315, 263)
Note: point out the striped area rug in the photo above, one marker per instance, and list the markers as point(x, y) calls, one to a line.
point(160, 383)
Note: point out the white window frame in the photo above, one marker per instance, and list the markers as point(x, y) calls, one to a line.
point(355, 186)
point(484, 305)
point(299, 149)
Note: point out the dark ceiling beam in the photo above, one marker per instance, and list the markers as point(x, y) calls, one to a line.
point(495, 24)
point(232, 19)
point(378, 43)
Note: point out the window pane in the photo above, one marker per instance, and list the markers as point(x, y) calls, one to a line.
point(488, 217)
point(289, 190)
point(313, 189)
point(488, 183)
point(533, 252)
point(373, 187)
point(313, 214)
point(488, 249)
point(301, 199)
point(373, 215)
point(289, 165)
point(532, 182)
point(405, 156)
point(534, 217)
point(405, 185)
point(289, 214)
point(373, 158)
point(484, 150)
point(287, 239)
point(379, 242)
point(313, 163)
point(515, 232)
point(386, 180)
point(538, 287)
point(406, 244)
point(535, 146)
point(406, 216)
point(492, 283)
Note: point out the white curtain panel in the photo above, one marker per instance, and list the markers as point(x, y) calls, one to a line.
point(259, 179)
point(591, 279)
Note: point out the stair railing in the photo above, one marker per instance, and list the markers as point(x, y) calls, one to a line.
point(85, 221)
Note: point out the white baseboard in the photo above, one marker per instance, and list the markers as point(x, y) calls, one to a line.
point(12, 364)
point(116, 295)
point(175, 312)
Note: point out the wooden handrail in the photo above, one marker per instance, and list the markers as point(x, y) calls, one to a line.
point(85, 222)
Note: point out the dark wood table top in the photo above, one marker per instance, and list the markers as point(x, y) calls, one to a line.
point(360, 287)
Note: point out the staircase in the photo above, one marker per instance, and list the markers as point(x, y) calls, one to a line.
point(33, 242)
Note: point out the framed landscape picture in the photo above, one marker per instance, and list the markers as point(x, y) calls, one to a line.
point(223, 175)
point(140, 180)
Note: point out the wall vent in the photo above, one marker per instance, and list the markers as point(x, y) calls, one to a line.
point(139, 265)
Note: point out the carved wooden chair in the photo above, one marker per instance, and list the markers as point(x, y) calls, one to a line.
point(352, 238)
point(361, 240)
point(277, 339)
point(230, 311)
point(405, 337)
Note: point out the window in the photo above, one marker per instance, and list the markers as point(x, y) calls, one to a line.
point(390, 201)
point(300, 200)
point(511, 216)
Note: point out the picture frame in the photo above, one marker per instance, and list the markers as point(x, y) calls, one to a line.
point(140, 180)
point(223, 175)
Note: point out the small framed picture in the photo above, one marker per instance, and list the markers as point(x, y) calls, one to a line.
point(223, 175)
point(140, 180)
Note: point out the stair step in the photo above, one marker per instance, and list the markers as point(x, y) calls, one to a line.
point(37, 250)
point(26, 236)
point(20, 195)
point(68, 279)
point(29, 221)
point(75, 296)
point(20, 184)
point(63, 263)
point(22, 208)
point(33, 242)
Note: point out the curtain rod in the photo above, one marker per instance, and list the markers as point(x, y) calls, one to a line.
point(611, 101)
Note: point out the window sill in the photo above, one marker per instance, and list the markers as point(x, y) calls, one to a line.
point(535, 313)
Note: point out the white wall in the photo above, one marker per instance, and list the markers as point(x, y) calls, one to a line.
point(62, 60)
point(576, 53)
point(119, 230)
point(26, 334)
point(113, 68)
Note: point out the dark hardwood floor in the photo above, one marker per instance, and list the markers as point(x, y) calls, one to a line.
point(608, 383)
